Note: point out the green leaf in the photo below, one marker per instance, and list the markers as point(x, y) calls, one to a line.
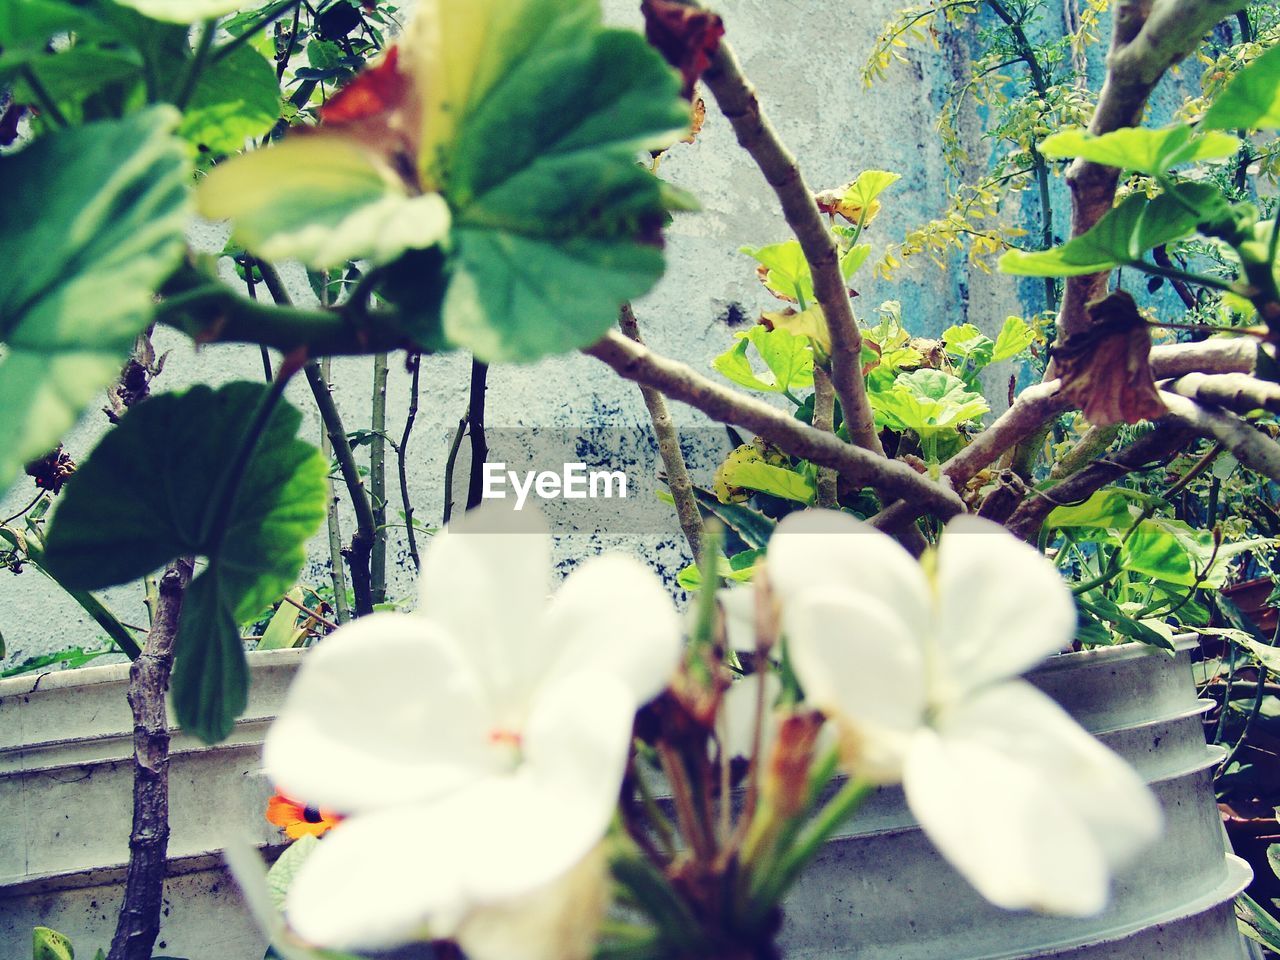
point(147, 493)
point(1142, 149)
point(184, 11)
point(210, 673)
point(1107, 611)
point(1105, 510)
point(50, 945)
point(555, 221)
point(970, 346)
point(852, 259)
point(787, 271)
point(869, 185)
point(788, 356)
point(321, 199)
point(740, 568)
point(92, 224)
point(1123, 235)
point(282, 630)
point(929, 402)
point(237, 98)
point(1014, 337)
point(767, 478)
point(1251, 101)
point(280, 876)
point(752, 526)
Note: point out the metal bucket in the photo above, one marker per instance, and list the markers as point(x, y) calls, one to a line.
point(880, 891)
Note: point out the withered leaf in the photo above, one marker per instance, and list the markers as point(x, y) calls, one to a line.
point(686, 36)
point(1106, 371)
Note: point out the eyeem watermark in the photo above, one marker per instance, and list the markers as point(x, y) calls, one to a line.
point(574, 481)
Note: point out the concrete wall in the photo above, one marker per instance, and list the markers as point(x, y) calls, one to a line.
point(805, 57)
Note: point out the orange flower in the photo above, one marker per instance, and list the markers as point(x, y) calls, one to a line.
point(297, 820)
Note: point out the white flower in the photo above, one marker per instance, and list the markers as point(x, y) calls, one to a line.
point(919, 672)
point(476, 746)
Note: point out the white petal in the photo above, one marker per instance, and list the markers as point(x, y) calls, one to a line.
point(1002, 607)
point(1003, 828)
point(738, 606)
point(558, 922)
point(736, 724)
point(817, 548)
point(382, 712)
point(858, 661)
point(1114, 803)
point(613, 615)
point(486, 579)
point(377, 880)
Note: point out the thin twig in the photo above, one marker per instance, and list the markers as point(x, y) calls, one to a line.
point(337, 572)
point(738, 102)
point(402, 448)
point(859, 466)
point(378, 480)
point(668, 437)
point(475, 428)
point(824, 414)
point(449, 464)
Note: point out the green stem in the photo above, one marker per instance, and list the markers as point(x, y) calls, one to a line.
point(1174, 273)
point(378, 480)
point(842, 806)
point(268, 16)
point(91, 605)
point(43, 100)
point(223, 499)
point(203, 47)
point(337, 573)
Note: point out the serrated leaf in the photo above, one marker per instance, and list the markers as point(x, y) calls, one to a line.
point(788, 356)
point(751, 525)
point(146, 494)
point(1123, 235)
point(970, 346)
point(322, 199)
point(93, 222)
point(1014, 337)
point(786, 270)
point(929, 402)
point(1251, 101)
point(1142, 149)
point(869, 185)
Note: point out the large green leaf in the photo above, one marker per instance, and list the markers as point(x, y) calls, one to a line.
point(184, 11)
point(237, 98)
point(929, 402)
point(1123, 235)
point(788, 356)
point(1014, 337)
point(91, 225)
point(148, 493)
point(552, 212)
point(1251, 101)
point(1140, 148)
point(323, 199)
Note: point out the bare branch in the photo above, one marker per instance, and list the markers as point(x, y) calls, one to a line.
point(1235, 391)
point(1253, 449)
point(824, 412)
point(738, 102)
point(1219, 355)
point(1167, 439)
point(680, 382)
point(668, 437)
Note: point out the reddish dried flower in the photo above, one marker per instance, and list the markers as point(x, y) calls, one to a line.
point(51, 471)
point(686, 36)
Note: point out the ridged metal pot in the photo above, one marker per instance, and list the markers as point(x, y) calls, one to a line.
point(880, 891)
point(66, 806)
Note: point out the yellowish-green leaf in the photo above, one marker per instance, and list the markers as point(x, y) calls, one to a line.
point(321, 199)
point(1251, 100)
point(788, 356)
point(1014, 337)
point(869, 185)
point(1142, 149)
point(184, 11)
